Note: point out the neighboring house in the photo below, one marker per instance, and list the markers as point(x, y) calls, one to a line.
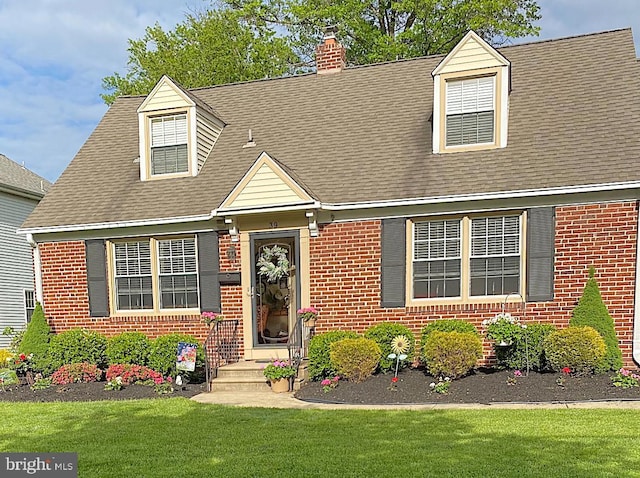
point(20, 192)
point(441, 187)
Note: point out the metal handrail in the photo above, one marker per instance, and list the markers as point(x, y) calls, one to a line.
point(298, 343)
point(221, 347)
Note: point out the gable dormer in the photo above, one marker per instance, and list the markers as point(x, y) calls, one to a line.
point(176, 132)
point(471, 98)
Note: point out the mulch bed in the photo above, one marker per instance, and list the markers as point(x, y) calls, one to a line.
point(484, 386)
point(89, 392)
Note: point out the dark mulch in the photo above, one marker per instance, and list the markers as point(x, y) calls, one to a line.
point(86, 392)
point(485, 386)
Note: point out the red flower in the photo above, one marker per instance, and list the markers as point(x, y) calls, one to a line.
point(394, 379)
point(23, 356)
point(566, 370)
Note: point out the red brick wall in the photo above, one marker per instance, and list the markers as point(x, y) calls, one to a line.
point(602, 235)
point(64, 277)
point(348, 254)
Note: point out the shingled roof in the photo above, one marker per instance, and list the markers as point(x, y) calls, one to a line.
point(19, 180)
point(364, 135)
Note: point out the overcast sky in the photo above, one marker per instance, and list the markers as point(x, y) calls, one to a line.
point(54, 54)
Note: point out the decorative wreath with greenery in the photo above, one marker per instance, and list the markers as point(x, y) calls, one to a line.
point(273, 263)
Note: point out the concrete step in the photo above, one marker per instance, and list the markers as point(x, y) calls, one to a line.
point(247, 376)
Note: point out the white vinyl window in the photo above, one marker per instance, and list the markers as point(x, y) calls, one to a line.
point(156, 274)
point(470, 111)
point(169, 145)
point(29, 304)
point(466, 257)
point(436, 259)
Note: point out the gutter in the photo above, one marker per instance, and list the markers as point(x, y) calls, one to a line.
point(37, 265)
point(636, 309)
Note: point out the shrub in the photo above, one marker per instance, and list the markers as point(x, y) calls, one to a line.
point(36, 340)
point(163, 353)
point(130, 373)
point(530, 342)
point(319, 353)
point(383, 334)
point(355, 359)
point(128, 347)
point(77, 346)
point(591, 311)
point(451, 354)
point(5, 356)
point(579, 348)
point(76, 373)
point(8, 377)
point(16, 338)
point(445, 325)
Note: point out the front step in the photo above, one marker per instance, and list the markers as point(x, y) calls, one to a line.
point(247, 376)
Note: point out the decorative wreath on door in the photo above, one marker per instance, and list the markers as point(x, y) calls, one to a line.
point(273, 263)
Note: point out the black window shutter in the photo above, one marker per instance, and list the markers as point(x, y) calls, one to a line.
point(209, 267)
point(393, 280)
point(97, 278)
point(540, 253)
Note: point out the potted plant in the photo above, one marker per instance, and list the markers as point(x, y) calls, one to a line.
point(309, 316)
point(503, 329)
point(211, 318)
point(279, 373)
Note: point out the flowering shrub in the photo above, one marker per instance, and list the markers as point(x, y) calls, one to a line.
point(76, 373)
point(132, 373)
point(625, 378)
point(503, 328)
point(21, 363)
point(114, 384)
point(329, 384)
point(442, 386)
point(279, 369)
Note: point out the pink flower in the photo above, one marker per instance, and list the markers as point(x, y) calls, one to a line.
point(326, 382)
point(517, 373)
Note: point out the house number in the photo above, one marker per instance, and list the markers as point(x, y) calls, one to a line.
point(273, 225)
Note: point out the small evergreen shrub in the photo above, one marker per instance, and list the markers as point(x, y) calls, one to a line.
point(451, 354)
point(383, 334)
point(163, 354)
point(579, 348)
point(319, 353)
point(530, 341)
point(36, 340)
point(355, 359)
point(76, 373)
point(77, 346)
point(128, 347)
point(591, 311)
point(445, 325)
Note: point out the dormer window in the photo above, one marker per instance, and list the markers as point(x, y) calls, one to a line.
point(169, 153)
point(470, 111)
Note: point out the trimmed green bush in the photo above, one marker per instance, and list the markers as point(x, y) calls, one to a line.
point(579, 348)
point(451, 354)
point(77, 346)
point(591, 311)
point(128, 347)
point(319, 349)
point(163, 354)
point(36, 340)
point(529, 341)
point(445, 325)
point(383, 334)
point(355, 359)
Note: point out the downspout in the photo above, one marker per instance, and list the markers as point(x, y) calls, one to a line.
point(636, 307)
point(37, 265)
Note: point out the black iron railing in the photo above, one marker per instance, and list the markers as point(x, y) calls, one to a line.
point(298, 343)
point(222, 347)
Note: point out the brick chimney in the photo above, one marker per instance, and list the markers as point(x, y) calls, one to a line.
point(331, 56)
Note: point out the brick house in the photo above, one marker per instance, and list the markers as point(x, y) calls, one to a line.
point(440, 187)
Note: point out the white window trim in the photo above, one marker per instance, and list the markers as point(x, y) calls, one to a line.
point(155, 279)
point(465, 283)
point(24, 300)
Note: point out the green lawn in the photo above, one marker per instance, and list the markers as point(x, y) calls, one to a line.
point(176, 437)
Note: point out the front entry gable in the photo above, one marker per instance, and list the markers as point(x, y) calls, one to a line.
point(266, 185)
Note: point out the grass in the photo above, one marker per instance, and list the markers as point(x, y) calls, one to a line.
point(177, 437)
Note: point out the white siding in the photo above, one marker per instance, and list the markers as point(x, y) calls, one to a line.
point(16, 263)
point(208, 133)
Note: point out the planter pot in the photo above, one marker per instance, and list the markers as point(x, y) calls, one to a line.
point(280, 385)
point(310, 323)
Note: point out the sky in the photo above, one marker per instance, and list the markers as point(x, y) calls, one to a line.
point(55, 53)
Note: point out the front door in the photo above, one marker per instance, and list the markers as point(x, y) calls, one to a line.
point(276, 286)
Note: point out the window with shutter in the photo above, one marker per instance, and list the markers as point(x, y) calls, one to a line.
point(436, 259)
point(169, 153)
point(470, 111)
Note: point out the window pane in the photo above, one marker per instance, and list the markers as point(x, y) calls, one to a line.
point(169, 159)
point(178, 273)
point(133, 275)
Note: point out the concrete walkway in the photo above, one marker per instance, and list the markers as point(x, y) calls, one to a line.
point(268, 399)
